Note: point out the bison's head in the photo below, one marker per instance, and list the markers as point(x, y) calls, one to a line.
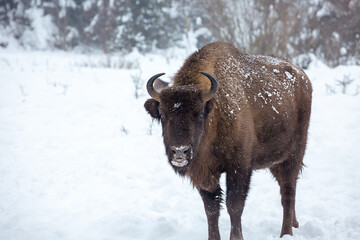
point(183, 111)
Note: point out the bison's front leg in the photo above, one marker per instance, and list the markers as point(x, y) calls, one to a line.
point(212, 202)
point(237, 182)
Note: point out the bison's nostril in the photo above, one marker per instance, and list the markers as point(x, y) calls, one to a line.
point(182, 149)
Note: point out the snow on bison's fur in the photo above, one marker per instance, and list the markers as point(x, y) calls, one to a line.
point(230, 112)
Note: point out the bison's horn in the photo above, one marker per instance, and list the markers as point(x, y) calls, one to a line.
point(214, 86)
point(150, 87)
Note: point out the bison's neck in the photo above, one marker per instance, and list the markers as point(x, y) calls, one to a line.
point(205, 170)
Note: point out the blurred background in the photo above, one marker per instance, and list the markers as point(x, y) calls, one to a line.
point(80, 159)
point(329, 29)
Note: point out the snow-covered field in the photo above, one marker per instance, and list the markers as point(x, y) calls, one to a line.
point(81, 160)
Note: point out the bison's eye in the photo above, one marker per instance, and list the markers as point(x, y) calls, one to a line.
point(199, 116)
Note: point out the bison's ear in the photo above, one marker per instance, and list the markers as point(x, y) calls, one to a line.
point(152, 107)
point(208, 107)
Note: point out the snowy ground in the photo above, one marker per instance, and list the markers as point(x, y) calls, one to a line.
point(80, 161)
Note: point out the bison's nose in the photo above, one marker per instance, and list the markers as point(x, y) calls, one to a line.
point(180, 150)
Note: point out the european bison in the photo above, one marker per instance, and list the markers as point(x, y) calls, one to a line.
point(230, 112)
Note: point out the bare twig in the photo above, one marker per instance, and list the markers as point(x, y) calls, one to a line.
point(345, 82)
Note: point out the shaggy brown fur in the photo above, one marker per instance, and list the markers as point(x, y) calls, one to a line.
point(258, 118)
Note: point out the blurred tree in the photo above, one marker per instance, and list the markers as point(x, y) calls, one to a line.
point(102, 25)
point(147, 24)
point(336, 28)
point(13, 16)
point(58, 10)
point(328, 28)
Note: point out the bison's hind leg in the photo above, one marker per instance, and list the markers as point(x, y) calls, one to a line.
point(286, 174)
point(287, 181)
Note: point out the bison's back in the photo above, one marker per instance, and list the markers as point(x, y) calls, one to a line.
point(265, 100)
point(268, 83)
